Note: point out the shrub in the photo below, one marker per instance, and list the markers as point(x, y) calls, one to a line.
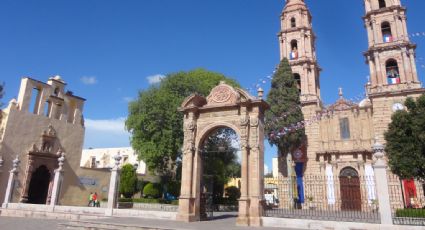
point(128, 181)
point(233, 193)
point(152, 190)
point(410, 213)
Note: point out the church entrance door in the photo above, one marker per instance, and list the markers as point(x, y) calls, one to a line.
point(350, 189)
point(39, 186)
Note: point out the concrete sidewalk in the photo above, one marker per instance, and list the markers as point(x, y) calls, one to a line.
point(222, 222)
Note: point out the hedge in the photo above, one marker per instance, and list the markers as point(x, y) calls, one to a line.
point(410, 213)
point(148, 201)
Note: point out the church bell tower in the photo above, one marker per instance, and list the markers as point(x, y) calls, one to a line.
point(391, 56)
point(297, 44)
point(391, 59)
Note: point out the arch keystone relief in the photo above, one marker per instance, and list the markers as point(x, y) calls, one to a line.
point(226, 107)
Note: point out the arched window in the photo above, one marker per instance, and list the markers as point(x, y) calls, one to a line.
point(382, 4)
point(393, 74)
point(294, 50)
point(293, 23)
point(386, 32)
point(297, 78)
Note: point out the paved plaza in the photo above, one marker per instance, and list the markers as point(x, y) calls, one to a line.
point(224, 221)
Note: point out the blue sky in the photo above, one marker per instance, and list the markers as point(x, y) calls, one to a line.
point(107, 50)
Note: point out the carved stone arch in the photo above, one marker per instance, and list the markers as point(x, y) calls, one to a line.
point(233, 108)
point(205, 132)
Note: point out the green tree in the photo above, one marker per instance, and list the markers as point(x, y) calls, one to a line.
point(405, 139)
point(128, 181)
point(284, 98)
point(156, 126)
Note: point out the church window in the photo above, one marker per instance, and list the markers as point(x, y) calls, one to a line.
point(382, 4)
point(56, 92)
point(47, 108)
point(293, 23)
point(297, 78)
point(34, 101)
point(386, 32)
point(393, 74)
point(344, 126)
point(294, 50)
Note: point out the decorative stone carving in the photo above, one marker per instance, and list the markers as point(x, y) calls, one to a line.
point(254, 122)
point(223, 94)
point(244, 121)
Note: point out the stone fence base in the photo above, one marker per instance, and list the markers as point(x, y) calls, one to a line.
point(330, 225)
point(78, 213)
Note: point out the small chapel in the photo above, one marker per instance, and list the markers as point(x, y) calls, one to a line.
point(339, 144)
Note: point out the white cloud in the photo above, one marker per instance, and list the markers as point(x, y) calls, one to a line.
point(115, 125)
point(89, 80)
point(106, 133)
point(154, 79)
point(128, 99)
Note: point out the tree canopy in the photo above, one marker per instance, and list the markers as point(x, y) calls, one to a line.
point(285, 111)
point(156, 126)
point(405, 139)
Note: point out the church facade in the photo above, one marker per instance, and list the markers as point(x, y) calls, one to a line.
point(340, 137)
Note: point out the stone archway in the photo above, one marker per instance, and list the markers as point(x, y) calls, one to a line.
point(236, 109)
point(39, 185)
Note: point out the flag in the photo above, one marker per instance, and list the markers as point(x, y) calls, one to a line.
point(388, 38)
point(293, 55)
point(394, 80)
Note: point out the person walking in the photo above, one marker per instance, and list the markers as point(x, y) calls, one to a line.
point(90, 200)
point(95, 201)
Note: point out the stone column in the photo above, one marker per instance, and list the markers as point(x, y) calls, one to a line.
point(57, 183)
point(113, 186)
point(380, 168)
point(11, 182)
point(244, 141)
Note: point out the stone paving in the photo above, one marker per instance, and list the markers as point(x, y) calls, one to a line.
point(225, 221)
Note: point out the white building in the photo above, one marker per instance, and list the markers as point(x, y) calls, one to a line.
point(103, 158)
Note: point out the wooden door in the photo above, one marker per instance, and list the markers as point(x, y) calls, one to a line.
point(350, 190)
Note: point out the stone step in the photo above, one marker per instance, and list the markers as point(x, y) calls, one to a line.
point(87, 225)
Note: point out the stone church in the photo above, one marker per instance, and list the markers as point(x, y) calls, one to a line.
point(339, 141)
point(36, 130)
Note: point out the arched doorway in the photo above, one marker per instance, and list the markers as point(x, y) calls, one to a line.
point(39, 186)
point(220, 161)
point(235, 109)
point(350, 189)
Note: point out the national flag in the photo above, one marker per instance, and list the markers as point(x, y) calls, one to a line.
point(394, 80)
point(293, 55)
point(388, 38)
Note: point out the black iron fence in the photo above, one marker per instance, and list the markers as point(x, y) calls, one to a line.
point(352, 199)
point(407, 201)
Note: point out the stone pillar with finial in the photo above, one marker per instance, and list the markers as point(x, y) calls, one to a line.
point(380, 167)
point(57, 182)
point(113, 186)
point(11, 182)
point(260, 92)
